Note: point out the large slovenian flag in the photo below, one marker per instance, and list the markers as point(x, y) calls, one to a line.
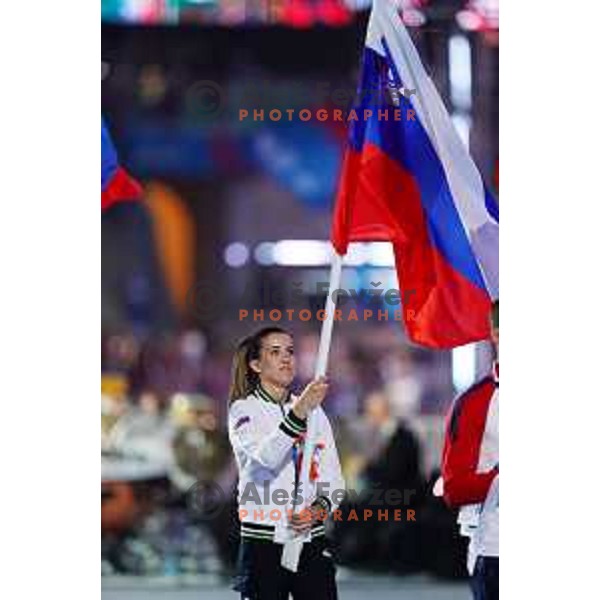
point(412, 182)
point(117, 184)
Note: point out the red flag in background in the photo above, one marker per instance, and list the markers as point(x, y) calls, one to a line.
point(117, 184)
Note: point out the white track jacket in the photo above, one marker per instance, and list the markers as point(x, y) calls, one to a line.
point(268, 442)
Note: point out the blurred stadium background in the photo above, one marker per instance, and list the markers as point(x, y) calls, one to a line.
point(236, 215)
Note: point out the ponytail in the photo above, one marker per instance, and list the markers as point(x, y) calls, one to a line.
point(243, 378)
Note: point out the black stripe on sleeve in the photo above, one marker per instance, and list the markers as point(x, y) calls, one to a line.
point(292, 425)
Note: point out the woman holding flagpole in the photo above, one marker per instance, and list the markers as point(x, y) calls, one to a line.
point(267, 429)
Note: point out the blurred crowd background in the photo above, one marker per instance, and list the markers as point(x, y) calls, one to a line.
point(236, 215)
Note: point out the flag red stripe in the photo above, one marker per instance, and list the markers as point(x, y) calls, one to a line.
point(122, 187)
point(380, 201)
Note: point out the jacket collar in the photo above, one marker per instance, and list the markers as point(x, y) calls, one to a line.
point(262, 393)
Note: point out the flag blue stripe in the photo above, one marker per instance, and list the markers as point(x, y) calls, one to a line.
point(109, 163)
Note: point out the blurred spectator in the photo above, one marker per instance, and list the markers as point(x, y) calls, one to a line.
point(388, 458)
point(365, 438)
point(141, 430)
point(114, 403)
point(396, 460)
point(201, 450)
point(403, 386)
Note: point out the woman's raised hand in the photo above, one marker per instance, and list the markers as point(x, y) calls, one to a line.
point(311, 397)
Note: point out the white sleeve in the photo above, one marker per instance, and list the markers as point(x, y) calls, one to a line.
point(249, 439)
point(331, 472)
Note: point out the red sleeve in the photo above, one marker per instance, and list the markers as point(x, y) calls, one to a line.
point(464, 432)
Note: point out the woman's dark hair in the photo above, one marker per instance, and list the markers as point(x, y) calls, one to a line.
point(243, 378)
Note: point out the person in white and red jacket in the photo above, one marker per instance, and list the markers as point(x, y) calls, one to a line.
point(471, 473)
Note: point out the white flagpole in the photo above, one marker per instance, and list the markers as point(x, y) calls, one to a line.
point(335, 278)
point(292, 548)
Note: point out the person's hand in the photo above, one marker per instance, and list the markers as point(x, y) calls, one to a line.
point(311, 397)
point(302, 522)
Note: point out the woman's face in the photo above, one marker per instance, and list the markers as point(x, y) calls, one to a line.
point(276, 364)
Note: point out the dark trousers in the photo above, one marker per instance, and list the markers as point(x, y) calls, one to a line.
point(261, 576)
point(485, 580)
